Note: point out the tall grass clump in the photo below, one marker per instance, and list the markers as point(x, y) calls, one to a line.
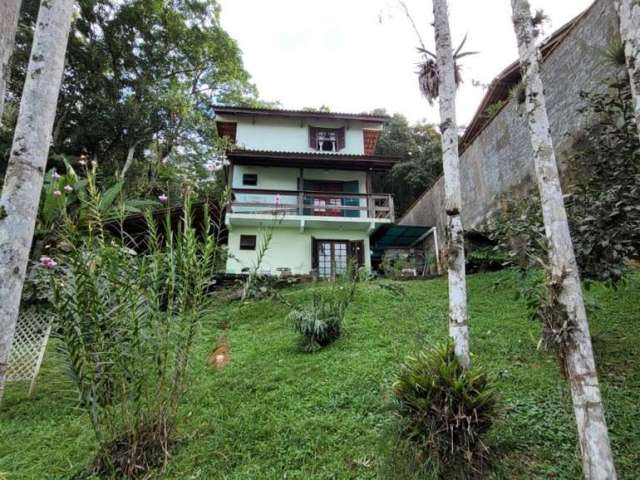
point(127, 324)
point(444, 413)
point(319, 323)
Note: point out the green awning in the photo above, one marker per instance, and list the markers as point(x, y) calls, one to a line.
point(396, 236)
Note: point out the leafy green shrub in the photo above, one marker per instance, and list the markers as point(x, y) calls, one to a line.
point(445, 412)
point(603, 206)
point(320, 322)
point(127, 324)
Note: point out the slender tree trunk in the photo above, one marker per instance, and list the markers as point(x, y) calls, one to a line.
point(9, 13)
point(27, 163)
point(597, 459)
point(629, 15)
point(129, 161)
point(458, 319)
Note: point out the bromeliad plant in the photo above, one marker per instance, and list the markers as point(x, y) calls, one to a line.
point(319, 323)
point(428, 74)
point(444, 413)
point(127, 324)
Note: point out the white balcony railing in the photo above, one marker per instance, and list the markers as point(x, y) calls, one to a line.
point(315, 204)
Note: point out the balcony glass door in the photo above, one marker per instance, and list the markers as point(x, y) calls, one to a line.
point(322, 204)
point(325, 205)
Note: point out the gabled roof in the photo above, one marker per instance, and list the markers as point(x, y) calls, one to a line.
point(507, 79)
point(274, 112)
point(312, 160)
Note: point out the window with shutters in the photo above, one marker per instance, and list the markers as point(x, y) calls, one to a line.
point(327, 139)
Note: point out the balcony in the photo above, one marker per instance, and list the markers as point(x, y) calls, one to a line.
point(313, 208)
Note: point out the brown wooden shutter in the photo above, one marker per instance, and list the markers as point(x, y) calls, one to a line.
point(356, 251)
point(340, 138)
point(227, 129)
point(314, 253)
point(313, 138)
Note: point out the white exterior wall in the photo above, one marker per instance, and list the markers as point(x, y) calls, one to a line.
point(292, 134)
point(285, 178)
point(289, 248)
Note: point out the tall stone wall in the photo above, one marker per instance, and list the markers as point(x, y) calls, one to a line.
point(500, 159)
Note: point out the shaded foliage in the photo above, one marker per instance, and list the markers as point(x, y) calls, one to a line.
point(139, 80)
point(419, 148)
point(604, 204)
point(604, 208)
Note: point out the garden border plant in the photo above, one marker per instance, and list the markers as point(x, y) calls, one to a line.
point(444, 413)
point(319, 323)
point(126, 326)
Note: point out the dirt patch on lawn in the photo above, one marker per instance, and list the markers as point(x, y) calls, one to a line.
point(220, 355)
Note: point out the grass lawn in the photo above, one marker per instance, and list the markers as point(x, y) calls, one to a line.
point(276, 413)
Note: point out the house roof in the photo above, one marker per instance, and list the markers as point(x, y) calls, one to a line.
point(312, 160)
point(274, 112)
point(500, 88)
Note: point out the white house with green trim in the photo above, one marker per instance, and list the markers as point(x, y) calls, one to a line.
point(306, 177)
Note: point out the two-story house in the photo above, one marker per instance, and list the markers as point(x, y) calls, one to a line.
point(306, 177)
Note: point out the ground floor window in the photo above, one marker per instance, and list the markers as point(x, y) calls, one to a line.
point(247, 242)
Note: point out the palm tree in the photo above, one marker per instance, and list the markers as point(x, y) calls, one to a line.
point(597, 459)
point(27, 162)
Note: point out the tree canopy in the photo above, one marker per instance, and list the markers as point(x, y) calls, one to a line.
point(418, 146)
point(139, 82)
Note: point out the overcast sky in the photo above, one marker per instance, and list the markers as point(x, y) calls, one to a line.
point(357, 55)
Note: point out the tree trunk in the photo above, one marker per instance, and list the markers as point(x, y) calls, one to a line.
point(10, 11)
point(597, 459)
point(458, 321)
point(129, 161)
point(629, 14)
point(27, 163)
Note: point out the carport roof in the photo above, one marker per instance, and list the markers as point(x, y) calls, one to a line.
point(398, 236)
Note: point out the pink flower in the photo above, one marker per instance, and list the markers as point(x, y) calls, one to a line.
point(55, 175)
point(163, 198)
point(68, 188)
point(47, 262)
point(82, 162)
point(57, 193)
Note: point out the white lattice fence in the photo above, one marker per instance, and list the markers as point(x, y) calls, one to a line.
point(29, 344)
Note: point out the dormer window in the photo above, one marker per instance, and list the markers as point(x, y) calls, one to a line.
point(327, 139)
